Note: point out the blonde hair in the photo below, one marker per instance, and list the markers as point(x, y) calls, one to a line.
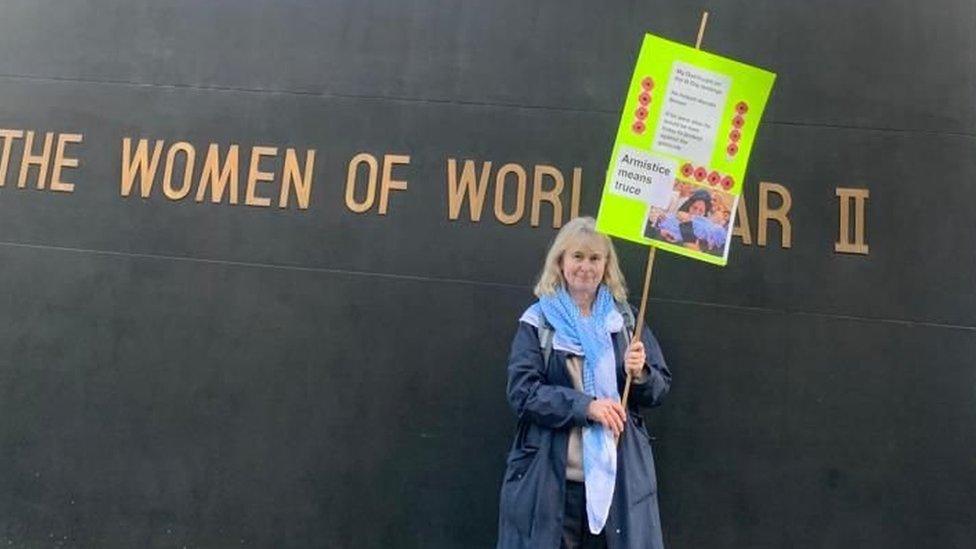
point(552, 276)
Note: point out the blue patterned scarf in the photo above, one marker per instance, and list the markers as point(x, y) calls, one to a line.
point(592, 335)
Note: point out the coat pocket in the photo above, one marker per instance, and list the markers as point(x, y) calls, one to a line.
point(640, 474)
point(519, 492)
point(518, 465)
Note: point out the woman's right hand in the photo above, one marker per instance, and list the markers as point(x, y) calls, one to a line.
point(609, 413)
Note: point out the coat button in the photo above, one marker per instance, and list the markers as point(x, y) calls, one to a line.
point(618, 530)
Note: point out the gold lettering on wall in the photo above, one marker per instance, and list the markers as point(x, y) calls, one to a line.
point(139, 163)
point(388, 183)
point(293, 178)
point(352, 176)
point(551, 196)
point(471, 185)
point(255, 176)
point(8, 137)
point(575, 200)
point(475, 192)
point(856, 198)
point(741, 226)
point(219, 179)
point(61, 162)
point(779, 214)
point(189, 155)
point(216, 178)
point(500, 180)
point(40, 160)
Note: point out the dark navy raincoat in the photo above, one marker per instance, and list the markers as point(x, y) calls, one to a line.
point(548, 407)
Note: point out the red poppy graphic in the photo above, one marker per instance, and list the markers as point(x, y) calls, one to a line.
point(727, 182)
point(644, 98)
point(641, 113)
point(714, 178)
point(742, 107)
point(637, 127)
point(735, 135)
point(732, 149)
point(687, 169)
point(647, 83)
point(738, 121)
point(700, 173)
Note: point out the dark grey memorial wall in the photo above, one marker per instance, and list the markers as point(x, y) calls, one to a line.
point(180, 374)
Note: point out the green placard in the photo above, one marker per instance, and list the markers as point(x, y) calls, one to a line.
point(677, 167)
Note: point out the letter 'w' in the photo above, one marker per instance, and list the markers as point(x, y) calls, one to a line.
point(139, 163)
point(475, 191)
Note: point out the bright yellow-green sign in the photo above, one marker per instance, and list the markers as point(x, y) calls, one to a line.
point(677, 167)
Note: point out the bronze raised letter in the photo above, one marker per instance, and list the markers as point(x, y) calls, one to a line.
point(779, 214)
point(844, 244)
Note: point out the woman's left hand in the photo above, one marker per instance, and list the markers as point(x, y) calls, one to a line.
point(634, 359)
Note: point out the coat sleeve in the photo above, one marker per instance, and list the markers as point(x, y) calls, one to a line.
point(654, 385)
point(529, 393)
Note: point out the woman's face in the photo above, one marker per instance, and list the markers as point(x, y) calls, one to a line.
point(697, 208)
point(583, 264)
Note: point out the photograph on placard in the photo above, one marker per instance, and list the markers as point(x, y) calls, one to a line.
point(695, 217)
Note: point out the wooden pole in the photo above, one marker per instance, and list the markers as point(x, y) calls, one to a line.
point(650, 254)
point(701, 30)
point(640, 315)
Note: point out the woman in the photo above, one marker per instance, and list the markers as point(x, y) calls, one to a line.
point(580, 472)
